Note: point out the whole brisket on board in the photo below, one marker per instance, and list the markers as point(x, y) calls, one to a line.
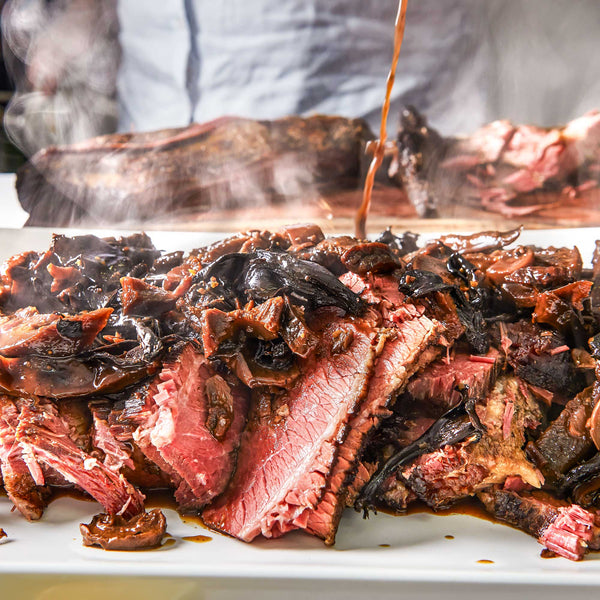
point(223, 164)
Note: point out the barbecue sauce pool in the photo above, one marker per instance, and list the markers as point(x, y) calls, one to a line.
point(360, 222)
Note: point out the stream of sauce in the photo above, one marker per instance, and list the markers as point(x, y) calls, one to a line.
point(360, 221)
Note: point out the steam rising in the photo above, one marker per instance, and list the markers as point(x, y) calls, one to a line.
point(64, 58)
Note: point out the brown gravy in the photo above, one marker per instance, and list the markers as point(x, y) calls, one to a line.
point(199, 539)
point(360, 222)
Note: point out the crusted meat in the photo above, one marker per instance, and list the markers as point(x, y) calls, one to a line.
point(404, 351)
point(273, 379)
point(456, 471)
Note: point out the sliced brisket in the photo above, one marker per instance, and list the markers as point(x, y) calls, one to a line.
point(289, 447)
point(404, 351)
point(22, 490)
point(190, 425)
point(44, 435)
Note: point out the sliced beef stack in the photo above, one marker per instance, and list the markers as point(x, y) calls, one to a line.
point(272, 379)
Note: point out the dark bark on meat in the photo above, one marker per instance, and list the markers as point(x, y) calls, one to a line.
point(566, 442)
point(453, 427)
point(142, 176)
point(532, 356)
point(28, 332)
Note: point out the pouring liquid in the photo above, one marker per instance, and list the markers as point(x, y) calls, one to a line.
point(360, 222)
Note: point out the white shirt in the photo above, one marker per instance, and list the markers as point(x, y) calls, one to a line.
point(265, 59)
point(463, 62)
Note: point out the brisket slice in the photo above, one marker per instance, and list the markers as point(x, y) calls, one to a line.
point(191, 427)
point(112, 435)
point(437, 384)
point(566, 529)
point(444, 476)
point(44, 435)
point(403, 354)
point(19, 484)
point(289, 447)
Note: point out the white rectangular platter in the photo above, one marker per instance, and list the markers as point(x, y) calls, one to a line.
point(384, 556)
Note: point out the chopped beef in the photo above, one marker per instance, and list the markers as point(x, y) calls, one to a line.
point(531, 352)
point(453, 472)
point(438, 383)
point(22, 489)
point(45, 436)
point(519, 170)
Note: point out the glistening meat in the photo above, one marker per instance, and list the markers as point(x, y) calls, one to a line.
point(275, 378)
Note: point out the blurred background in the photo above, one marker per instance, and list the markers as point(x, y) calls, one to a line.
point(83, 67)
point(75, 69)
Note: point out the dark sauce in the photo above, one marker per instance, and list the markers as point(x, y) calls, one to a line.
point(545, 553)
point(469, 506)
point(165, 499)
point(384, 546)
point(449, 537)
point(360, 222)
point(199, 539)
point(66, 492)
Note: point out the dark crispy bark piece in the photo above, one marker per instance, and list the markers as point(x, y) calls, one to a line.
point(566, 442)
point(564, 528)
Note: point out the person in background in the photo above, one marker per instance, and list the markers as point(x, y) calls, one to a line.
point(463, 62)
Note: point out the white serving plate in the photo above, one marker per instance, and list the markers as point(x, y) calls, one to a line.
point(46, 559)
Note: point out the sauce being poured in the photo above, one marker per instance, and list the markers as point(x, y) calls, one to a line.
point(360, 222)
